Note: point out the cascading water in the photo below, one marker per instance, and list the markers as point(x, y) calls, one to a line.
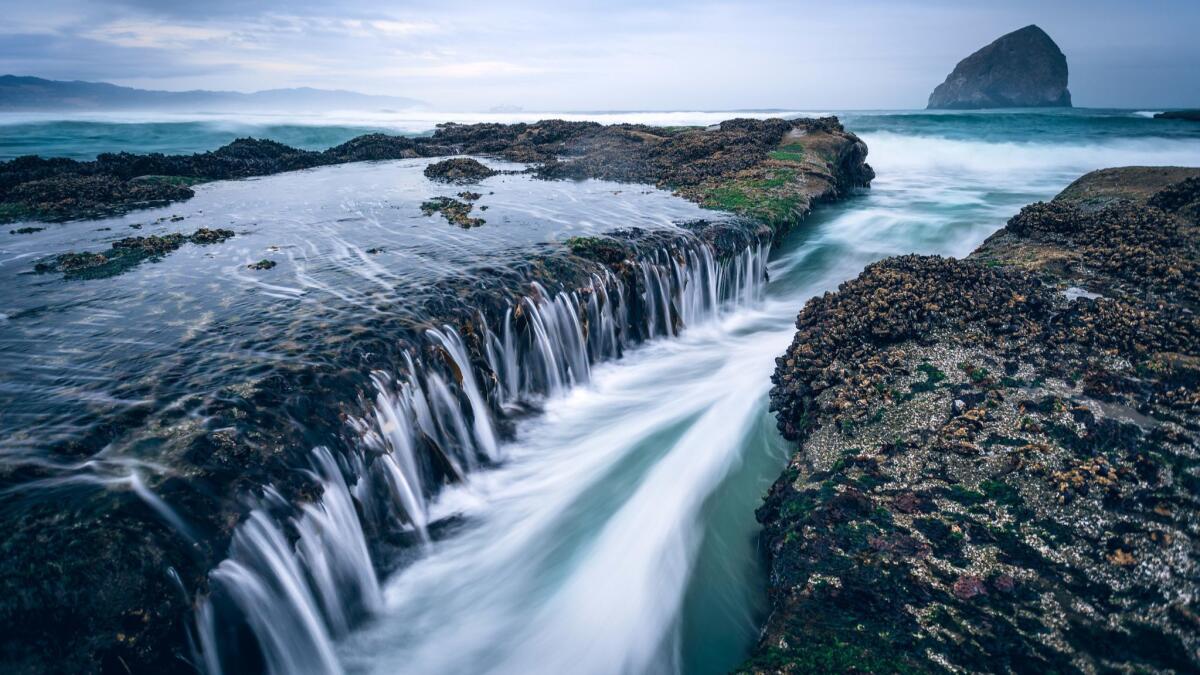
point(294, 599)
point(434, 425)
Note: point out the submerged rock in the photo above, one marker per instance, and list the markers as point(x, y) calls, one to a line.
point(1023, 69)
point(458, 170)
point(992, 476)
point(126, 253)
point(456, 212)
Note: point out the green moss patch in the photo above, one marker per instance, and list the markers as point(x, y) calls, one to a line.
point(772, 198)
point(793, 152)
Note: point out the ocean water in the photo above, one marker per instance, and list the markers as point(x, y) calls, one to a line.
point(618, 533)
point(85, 135)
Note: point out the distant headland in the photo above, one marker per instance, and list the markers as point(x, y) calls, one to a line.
point(34, 94)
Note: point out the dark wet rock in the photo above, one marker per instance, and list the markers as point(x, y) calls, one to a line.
point(26, 230)
point(606, 250)
point(1023, 69)
point(1189, 115)
point(55, 189)
point(469, 196)
point(1181, 199)
point(263, 264)
point(1105, 186)
point(375, 147)
point(206, 235)
point(76, 196)
point(992, 474)
point(456, 212)
point(112, 618)
point(126, 253)
point(458, 170)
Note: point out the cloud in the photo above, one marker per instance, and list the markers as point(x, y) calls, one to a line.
point(394, 28)
point(465, 70)
point(618, 54)
point(135, 33)
point(77, 58)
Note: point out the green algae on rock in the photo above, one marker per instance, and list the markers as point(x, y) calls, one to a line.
point(998, 455)
point(456, 212)
point(126, 253)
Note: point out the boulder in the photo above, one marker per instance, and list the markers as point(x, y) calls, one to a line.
point(1023, 69)
point(458, 170)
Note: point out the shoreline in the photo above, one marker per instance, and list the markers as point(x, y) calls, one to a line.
point(995, 456)
point(711, 166)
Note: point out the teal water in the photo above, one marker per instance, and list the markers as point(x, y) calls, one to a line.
point(83, 136)
point(665, 456)
point(619, 535)
point(1084, 125)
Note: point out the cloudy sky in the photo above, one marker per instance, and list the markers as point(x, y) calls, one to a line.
point(614, 54)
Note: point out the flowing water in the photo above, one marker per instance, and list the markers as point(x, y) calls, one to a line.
point(619, 536)
point(614, 531)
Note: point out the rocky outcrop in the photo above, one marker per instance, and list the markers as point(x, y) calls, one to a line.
point(997, 456)
point(93, 580)
point(756, 167)
point(1023, 69)
point(459, 170)
point(1189, 115)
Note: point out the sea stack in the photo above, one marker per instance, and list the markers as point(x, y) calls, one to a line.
point(1023, 69)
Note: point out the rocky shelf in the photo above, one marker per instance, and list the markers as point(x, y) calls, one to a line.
point(84, 576)
point(770, 169)
point(998, 457)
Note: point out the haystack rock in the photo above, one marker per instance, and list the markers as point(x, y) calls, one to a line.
point(1023, 69)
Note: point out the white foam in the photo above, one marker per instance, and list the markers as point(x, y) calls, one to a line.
point(1024, 162)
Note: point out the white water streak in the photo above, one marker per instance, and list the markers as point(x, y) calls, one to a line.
point(297, 599)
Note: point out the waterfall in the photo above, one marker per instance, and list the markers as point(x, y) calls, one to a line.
point(432, 423)
point(294, 599)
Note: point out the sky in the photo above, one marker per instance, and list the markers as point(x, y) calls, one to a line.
point(613, 55)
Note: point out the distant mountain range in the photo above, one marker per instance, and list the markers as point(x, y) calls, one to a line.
point(29, 94)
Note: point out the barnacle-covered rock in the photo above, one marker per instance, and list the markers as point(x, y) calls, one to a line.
point(991, 469)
